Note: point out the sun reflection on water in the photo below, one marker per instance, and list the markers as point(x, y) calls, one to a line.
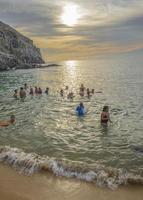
point(71, 72)
point(71, 67)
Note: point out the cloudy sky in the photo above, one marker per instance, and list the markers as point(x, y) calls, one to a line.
point(77, 29)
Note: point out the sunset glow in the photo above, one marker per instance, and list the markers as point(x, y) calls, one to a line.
point(76, 30)
point(70, 15)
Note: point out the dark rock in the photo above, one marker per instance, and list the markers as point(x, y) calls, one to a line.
point(16, 50)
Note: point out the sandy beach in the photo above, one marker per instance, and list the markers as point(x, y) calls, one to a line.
point(14, 186)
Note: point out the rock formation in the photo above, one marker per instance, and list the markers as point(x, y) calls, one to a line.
point(16, 50)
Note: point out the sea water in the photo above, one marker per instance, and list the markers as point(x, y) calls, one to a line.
point(49, 135)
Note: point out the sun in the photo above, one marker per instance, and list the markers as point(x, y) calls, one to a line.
point(70, 15)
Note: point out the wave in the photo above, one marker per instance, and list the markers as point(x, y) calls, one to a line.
point(29, 163)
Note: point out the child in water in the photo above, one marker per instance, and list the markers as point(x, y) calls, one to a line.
point(15, 94)
point(105, 117)
point(80, 109)
point(47, 91)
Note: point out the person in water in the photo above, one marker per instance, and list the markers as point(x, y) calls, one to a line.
point(80, 109)
point(47, 91)
point(39, 91)
point(36, 90)
point(22, 93)
point(88, 93)
point(105, 117)
point(31, 92)
point(81, 90)
point(67, 87)
point(92, 91)
point(15, 94)
point(70, 95)
point(62, 92)
point(8, 122)
point(25, 86)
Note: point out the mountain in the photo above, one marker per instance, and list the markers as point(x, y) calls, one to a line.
point(16, 50)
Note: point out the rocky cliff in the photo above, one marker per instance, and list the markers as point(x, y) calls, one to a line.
point(16, 50)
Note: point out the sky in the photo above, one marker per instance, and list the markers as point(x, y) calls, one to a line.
point(77, 29)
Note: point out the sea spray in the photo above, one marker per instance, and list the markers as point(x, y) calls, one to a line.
point(29, 163)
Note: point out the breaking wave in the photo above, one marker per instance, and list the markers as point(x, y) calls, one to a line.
point(29, 163)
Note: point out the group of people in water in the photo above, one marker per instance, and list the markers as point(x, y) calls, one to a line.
point(82, 92)
point(80, 109)
point(63, 92)
point(105, 117)
point(32, 91)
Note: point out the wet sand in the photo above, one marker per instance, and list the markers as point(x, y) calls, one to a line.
point(14, 186)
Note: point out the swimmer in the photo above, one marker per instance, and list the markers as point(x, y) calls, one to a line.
point(67, 87)
point(25, 86)
point(36, 90)
point(88, 93)
point(31, 91)
point(70, 96)
point(81, 90)
point(22, 93)
point(15, 94)
point(61, 92)
point(8, 122)
point(105, 117)
point(80, 109)
point(39, 90)
point(47, 91)
point(81, 93)
point(92, 91)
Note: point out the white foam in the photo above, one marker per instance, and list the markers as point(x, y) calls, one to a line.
point(29, 163)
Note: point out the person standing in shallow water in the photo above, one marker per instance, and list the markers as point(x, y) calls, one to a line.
point(36, 90)
point(81, 90)
point(105, 116)
point(25, 86)
point(22, 93)
point(31, 91)
point(47, 91)
point(80, 109)
point(88, 93)
point(39, 91)
point(92, 91)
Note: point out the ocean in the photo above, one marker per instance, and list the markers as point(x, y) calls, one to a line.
point(49, 136)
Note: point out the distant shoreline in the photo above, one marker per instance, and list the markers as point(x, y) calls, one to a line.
point(30, 66)
point(45, 65)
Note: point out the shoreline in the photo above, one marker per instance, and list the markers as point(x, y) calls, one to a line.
point(14, 186)
point(31, 66)
point(31, 163)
